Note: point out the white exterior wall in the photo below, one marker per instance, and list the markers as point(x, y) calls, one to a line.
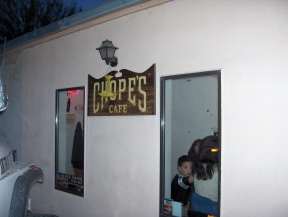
point(247, 39)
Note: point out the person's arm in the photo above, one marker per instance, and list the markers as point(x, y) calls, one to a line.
point(186, 180)
point(191, 179)
point(190, 194)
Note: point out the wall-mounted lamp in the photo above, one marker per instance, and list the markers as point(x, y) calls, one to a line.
point(107, 51)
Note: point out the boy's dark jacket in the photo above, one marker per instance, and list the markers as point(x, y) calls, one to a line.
point(180, 189)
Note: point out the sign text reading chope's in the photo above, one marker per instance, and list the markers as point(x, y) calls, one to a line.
point(131, 94)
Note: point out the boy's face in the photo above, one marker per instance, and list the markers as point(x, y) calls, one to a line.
point(186, 169)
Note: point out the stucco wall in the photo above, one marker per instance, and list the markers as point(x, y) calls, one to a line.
point(246, 39)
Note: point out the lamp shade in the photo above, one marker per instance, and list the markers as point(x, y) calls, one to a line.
point(107, 50)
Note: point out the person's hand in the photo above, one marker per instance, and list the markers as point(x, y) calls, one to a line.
point(188, 205)
point(191, 179)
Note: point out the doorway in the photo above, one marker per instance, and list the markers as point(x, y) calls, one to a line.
point(190, 110)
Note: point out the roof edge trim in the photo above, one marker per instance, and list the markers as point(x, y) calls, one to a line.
point(85, 19)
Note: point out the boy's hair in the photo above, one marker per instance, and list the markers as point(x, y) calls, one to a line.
point(183, 159)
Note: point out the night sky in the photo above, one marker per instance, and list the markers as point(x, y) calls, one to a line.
point(85, 4)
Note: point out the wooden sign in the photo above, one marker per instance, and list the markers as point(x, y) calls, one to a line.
point(131, 94)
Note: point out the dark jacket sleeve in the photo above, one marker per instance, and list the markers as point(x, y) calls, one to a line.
point(185, 180)
point(179, 193)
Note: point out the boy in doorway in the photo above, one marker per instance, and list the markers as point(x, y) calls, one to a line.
point(180, 185)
